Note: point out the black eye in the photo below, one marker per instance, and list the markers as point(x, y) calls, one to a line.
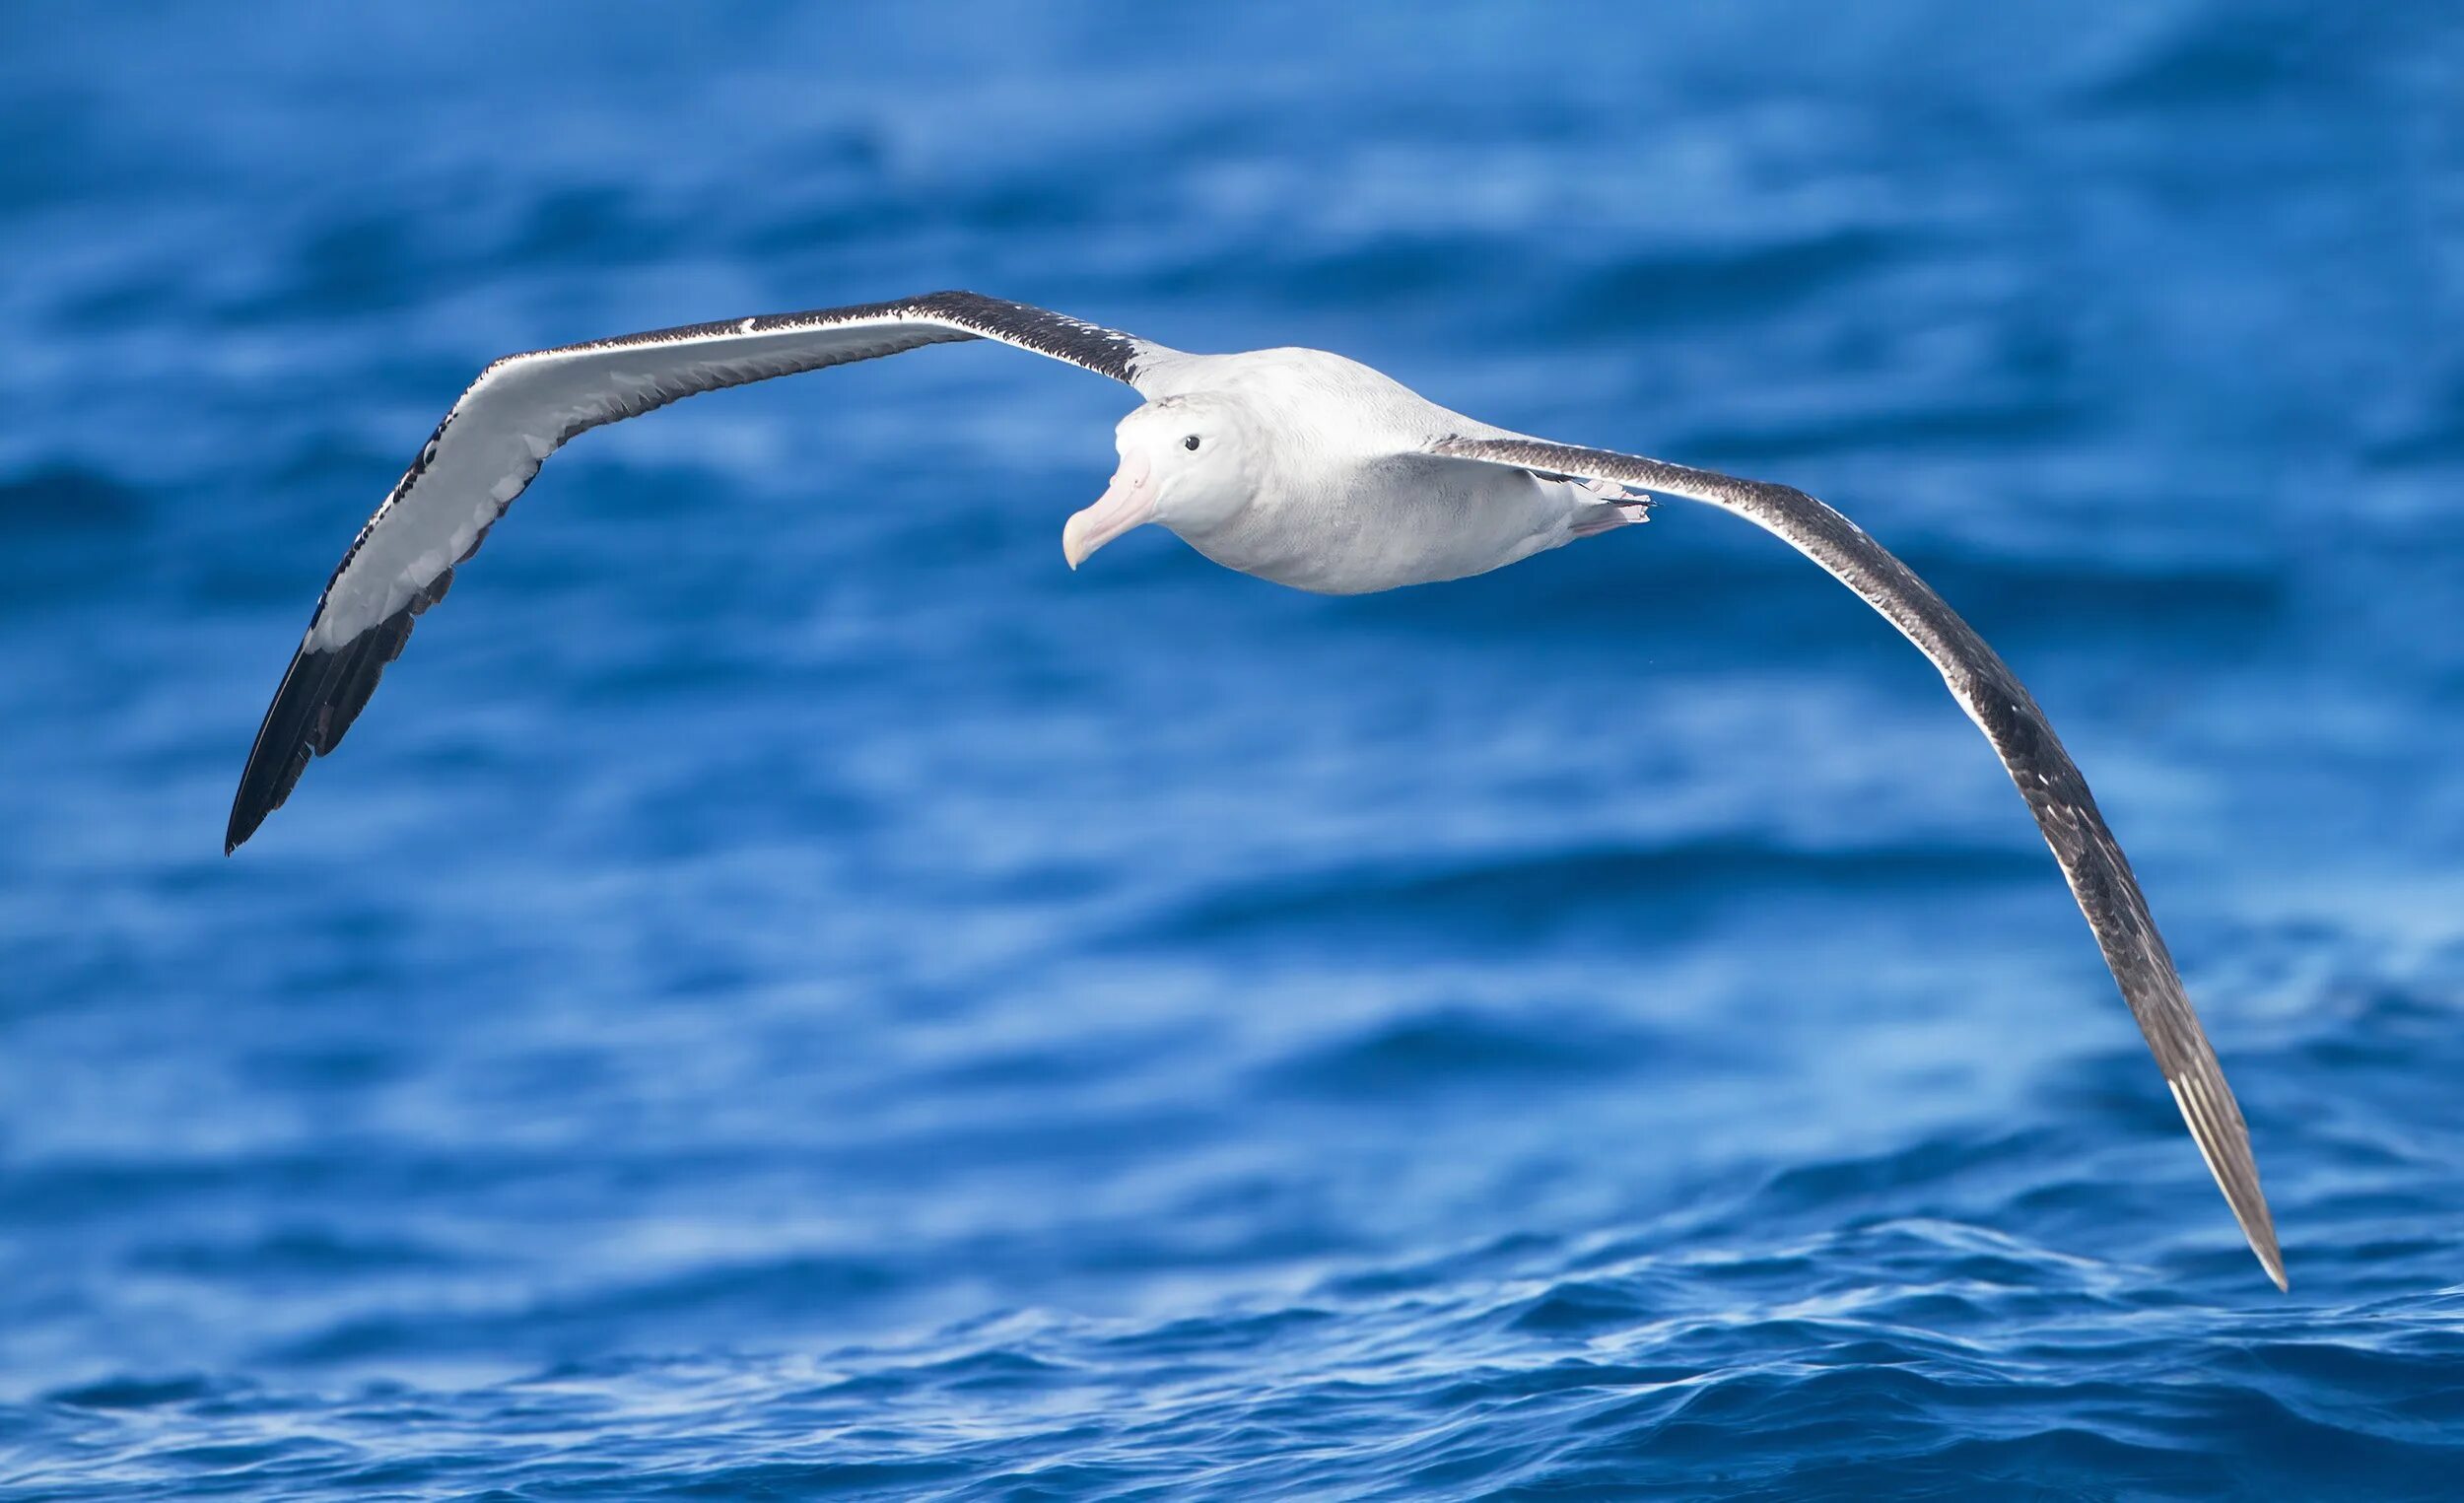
point(1190, 443)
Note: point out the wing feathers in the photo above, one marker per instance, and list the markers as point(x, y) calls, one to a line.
point(321, 694)
point(2091, 860)
point(519, 411)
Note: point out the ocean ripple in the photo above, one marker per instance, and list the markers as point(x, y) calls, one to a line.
point(791, 992)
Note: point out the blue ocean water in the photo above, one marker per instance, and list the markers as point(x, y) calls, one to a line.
point(790, 992)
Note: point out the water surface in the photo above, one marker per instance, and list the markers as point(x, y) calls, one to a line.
point(791, 992)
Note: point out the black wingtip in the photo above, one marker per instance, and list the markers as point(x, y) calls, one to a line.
point(321, 694)
point(295, 729)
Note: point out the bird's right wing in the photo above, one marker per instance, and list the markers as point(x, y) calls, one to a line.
point(2065, 812)
point(514, 415)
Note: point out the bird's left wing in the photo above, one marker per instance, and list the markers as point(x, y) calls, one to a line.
point(514, 415)
point(2099, 876)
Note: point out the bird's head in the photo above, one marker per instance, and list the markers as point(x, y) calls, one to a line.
point(1186, 462)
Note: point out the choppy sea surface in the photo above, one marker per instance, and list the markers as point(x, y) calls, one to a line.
point(790, 992)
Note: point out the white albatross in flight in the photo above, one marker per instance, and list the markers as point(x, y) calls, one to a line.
point(1293, 466)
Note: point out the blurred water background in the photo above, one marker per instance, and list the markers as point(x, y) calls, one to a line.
point(791, 992)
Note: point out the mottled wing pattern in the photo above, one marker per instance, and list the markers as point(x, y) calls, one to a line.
point(513, 416)
point(2099, 876)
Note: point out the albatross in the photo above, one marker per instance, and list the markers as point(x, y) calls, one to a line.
point(1295, 465)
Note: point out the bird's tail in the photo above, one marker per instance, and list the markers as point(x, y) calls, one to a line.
point(1618, 507)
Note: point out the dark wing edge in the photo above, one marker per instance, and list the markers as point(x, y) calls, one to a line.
point(322, 692)
point(326, 686)
point(2091, 860)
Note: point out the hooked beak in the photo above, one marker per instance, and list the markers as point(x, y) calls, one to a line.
point(1128, 501)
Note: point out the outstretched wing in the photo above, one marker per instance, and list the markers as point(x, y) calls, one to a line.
point(514, 415)
point(1985, 687)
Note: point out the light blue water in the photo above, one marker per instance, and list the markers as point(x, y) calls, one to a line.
point(791, 992)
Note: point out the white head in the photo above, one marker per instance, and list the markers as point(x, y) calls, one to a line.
point(1186, 462)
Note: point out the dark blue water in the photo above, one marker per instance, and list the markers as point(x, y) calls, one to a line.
point(790, 992)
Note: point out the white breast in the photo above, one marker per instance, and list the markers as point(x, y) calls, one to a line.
point(1349, 502)
point(1400, 520)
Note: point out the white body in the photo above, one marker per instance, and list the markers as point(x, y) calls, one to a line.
point(1346, 497)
